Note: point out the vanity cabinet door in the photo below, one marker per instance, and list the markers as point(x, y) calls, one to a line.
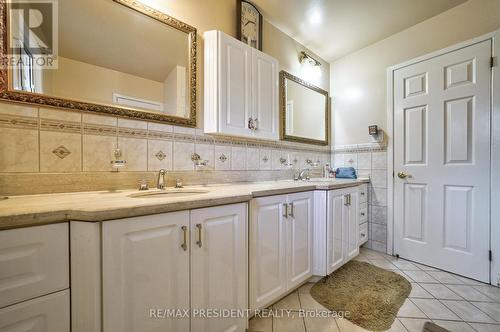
point(219, 266)
point(299, 235)
point(265, 95)
point(351, 220)
point(267, 254)
point(145, 262)
point(335, 230)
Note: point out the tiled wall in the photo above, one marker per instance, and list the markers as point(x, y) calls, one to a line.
point(44, 140)
point(369, 160)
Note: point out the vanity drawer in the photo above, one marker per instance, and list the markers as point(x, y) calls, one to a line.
point(47, 313)
point(34, 261)
point(363, 212)
point(363, 233)
point(363, 193)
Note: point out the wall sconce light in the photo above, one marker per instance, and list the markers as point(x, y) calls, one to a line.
point(307, 58)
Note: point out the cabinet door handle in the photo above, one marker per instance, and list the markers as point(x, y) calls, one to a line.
point(346, 200)
point(184, 242)
point(198, 226)
point(256, 123)
point(349, 199)
point(285, 210)
point(291, 210)
point(362, 214)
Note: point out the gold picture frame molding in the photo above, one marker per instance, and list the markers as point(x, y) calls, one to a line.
point(283, 135)
point(43, 100)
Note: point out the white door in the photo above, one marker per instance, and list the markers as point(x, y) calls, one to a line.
point(235, 86)
point(351, 222)
point(145, 267)
point(441, 143)
point(267, 250)
point(265, 94)
point(219, 266)
point(299, 238)
point(334, 228)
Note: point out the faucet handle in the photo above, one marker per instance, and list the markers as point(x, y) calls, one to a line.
point(143, 185)
point(178, 183)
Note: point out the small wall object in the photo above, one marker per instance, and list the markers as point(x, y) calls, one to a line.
point(376, 134)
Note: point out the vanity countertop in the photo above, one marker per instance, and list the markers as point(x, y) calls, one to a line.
point(33, 210)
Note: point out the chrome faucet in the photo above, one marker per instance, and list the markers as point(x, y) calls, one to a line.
point(303, 174)
point(161, 179)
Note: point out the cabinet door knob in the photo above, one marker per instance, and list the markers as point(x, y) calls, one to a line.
point(198, 226)
point(184, 242)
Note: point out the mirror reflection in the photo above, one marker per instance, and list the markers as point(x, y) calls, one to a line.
point(109, 54)
point(304, 109)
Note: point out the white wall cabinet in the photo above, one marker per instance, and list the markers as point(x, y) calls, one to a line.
point(241, 89)
point(182, 260)
point(280, 245)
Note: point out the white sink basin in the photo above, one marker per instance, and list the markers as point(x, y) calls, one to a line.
point(177, 192)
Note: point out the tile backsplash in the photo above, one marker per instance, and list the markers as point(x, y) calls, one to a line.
point(45, 141)
point(369, 160)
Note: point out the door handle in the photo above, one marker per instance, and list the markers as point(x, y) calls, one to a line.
point(403, 175)
point(285, 210)
point(291, 210)
point(198, 226)
point(184, 243)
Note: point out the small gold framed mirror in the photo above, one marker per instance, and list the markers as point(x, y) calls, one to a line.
point(118, 57)
point(304, 111)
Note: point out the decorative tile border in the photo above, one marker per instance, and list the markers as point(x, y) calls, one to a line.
point(365, 147)
point(19, 122)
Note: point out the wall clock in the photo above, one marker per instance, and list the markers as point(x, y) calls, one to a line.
point(249, 24)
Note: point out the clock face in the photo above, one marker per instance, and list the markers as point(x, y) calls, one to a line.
point(250, 25)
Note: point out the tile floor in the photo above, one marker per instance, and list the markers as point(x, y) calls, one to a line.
point(453, 302)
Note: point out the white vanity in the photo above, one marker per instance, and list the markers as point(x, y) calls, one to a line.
point(142, 273)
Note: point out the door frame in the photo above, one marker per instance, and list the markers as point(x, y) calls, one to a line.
point(494, 145)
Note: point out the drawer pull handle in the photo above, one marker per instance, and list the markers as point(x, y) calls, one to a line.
point(362, 193)
point(184, 243)
point(362, 213)
point(362, 234)
point(198, 226)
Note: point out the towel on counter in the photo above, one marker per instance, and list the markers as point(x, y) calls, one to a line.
point(346, 173)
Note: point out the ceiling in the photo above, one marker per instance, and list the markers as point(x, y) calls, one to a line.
point(107, 34)
point(335, 28)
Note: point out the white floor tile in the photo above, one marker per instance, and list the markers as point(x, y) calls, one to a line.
point(454, 326)
point(413, 324)
point(419, 276)
point(405, 265)
point(481, 327)
point(469, 293)
point(444, 277)
point(440, 291)
point(308, 302)
point(435, 309)
point(258, 324)
point(286, 324)
point(490, 291)
point(347, 326)
point(317, 324)
point(467, 311)
point(290, 302)
point(418, 292)
point(491, 309)
point(409, 309)
point(397, 326)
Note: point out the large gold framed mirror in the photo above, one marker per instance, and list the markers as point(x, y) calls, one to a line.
point(117, 57)
point(304, 111)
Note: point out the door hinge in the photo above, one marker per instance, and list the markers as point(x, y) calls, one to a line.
point(493, 61)
point(490, 256)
